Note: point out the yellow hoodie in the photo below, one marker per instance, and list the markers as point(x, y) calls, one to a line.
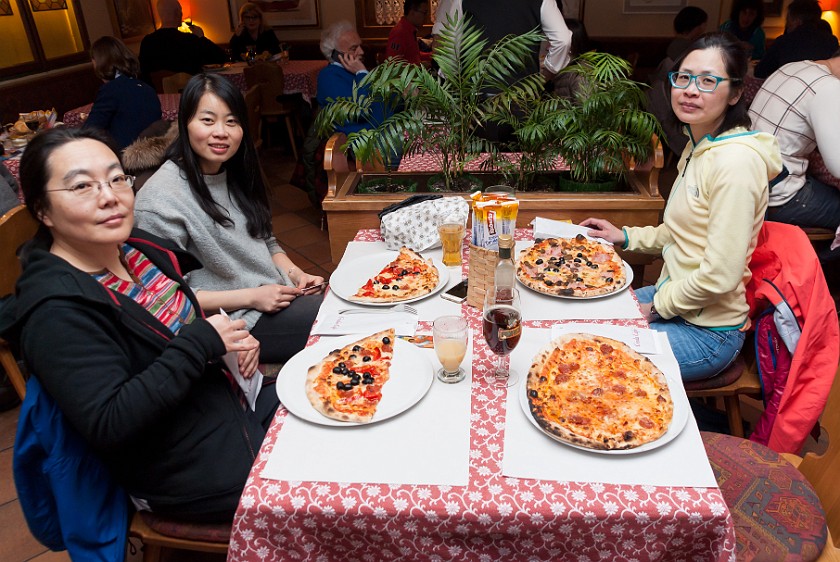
point(710, 226)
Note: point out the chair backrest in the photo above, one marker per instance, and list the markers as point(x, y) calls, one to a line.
point(252, 104)
point(823, 471)
point(271, 80)
point(175, 83)
point(16, 227)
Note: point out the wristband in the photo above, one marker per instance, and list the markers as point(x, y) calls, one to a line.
point(653, 314)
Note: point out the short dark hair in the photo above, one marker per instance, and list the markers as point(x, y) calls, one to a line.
point(806, 11)
point(413, 5)
point(736, 62)
point(244, 174)
point(35, 167)
point(739, 5)
point(110, 55)
point(688, 18)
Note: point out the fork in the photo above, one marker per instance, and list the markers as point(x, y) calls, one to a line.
point(397, 308)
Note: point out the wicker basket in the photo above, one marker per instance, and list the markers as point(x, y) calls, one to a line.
point(481, 275)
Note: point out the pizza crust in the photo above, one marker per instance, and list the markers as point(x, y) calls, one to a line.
point(320, 378)
point(598, 393)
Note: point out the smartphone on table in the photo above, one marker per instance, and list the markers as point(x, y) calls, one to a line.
point(457, 293)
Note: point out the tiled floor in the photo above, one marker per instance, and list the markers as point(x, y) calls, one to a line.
point(297, 226)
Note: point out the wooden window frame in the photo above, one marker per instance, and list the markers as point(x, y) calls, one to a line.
point(41, 63)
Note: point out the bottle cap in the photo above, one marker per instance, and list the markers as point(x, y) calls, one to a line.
point(505, 241)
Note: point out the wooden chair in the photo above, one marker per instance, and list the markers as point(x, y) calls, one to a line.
point(16, 227)
point(252, 104)
point(174, 84)
point(740, 379)
point(158, 533)
point(157, 79)
point(783, 506)
point(273, 103)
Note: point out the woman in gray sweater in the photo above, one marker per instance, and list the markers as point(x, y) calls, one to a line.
point(209, 198)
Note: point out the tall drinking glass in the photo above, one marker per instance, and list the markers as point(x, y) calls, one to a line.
point(451, 238)
point(502, 325)
point(450, 334)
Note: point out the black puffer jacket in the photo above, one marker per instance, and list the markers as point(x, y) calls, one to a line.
point(164, 420)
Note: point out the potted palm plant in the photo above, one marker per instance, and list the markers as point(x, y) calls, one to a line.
point(440, 115)
point(603, 126)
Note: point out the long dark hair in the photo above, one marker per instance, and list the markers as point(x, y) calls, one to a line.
point(244, 180)
point(735, 61)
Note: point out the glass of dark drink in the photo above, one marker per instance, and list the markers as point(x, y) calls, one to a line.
point(502, 325)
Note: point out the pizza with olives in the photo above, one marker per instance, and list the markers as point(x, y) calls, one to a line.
point(598, 393)
point(347, 384)
point(571, 267)
point(408, 276)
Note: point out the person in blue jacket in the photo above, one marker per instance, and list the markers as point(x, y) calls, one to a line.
point(124, 105)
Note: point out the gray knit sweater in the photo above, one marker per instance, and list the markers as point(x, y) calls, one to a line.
point(232, 258)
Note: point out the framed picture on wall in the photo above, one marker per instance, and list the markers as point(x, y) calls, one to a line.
point(134, 17)
point(282, 13)
point(653, 6)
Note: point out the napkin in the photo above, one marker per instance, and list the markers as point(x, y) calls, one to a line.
point(547, 228)
point(642, 340)
point(334, 324)
point(250, 386)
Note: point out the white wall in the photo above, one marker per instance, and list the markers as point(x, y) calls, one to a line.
point(606, 18)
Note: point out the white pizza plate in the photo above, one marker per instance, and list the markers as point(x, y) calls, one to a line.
point(628, 274)
point(351, 275)
point(678, 421)
point(411, 376)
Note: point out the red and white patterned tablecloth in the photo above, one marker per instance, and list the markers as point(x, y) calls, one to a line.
point(428, 162)
point(168, 110)
point(13, 165)
point(493, 518)
point(299, 77)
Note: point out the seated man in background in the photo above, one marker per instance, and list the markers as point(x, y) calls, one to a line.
point(402, 41)
point(806, 37)
point(689, 24)
point(342, 46)
point(169, 49)
point(798, 104)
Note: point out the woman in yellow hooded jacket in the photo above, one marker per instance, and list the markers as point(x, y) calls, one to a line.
point(714, 212)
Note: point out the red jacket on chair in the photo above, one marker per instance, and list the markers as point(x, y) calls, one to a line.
point(786, 269)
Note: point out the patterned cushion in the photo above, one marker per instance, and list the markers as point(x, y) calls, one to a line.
point(209, 532)
point(776, 512)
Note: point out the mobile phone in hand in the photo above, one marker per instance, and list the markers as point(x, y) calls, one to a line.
point(458, 293)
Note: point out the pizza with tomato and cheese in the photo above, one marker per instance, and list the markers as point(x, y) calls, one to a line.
point(347, 384)
point(408, 276)
point(598, 393)
point(571, 267)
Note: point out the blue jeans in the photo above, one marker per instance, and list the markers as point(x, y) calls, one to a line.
point(815, 205)
point(700, 352)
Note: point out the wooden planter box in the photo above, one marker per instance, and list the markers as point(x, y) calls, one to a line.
point(348, 211)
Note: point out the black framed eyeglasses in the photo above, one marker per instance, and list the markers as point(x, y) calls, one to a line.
point(91, 188)
point(704, 82)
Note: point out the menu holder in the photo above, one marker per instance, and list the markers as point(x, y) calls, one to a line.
point(481, 275)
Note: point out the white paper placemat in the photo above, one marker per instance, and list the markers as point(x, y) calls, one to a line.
point(428, 309)
point(543, 307)
point(428, 444)
point(529, 453)
point(643, 340)
point(332, 324)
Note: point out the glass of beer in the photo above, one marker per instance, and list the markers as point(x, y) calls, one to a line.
point(450, 335)
point(451, 238)
point(502, 326)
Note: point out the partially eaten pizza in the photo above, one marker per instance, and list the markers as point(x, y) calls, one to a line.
point(598, 393)
point(347, 384)
point(571, 267)
point(408, 276)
